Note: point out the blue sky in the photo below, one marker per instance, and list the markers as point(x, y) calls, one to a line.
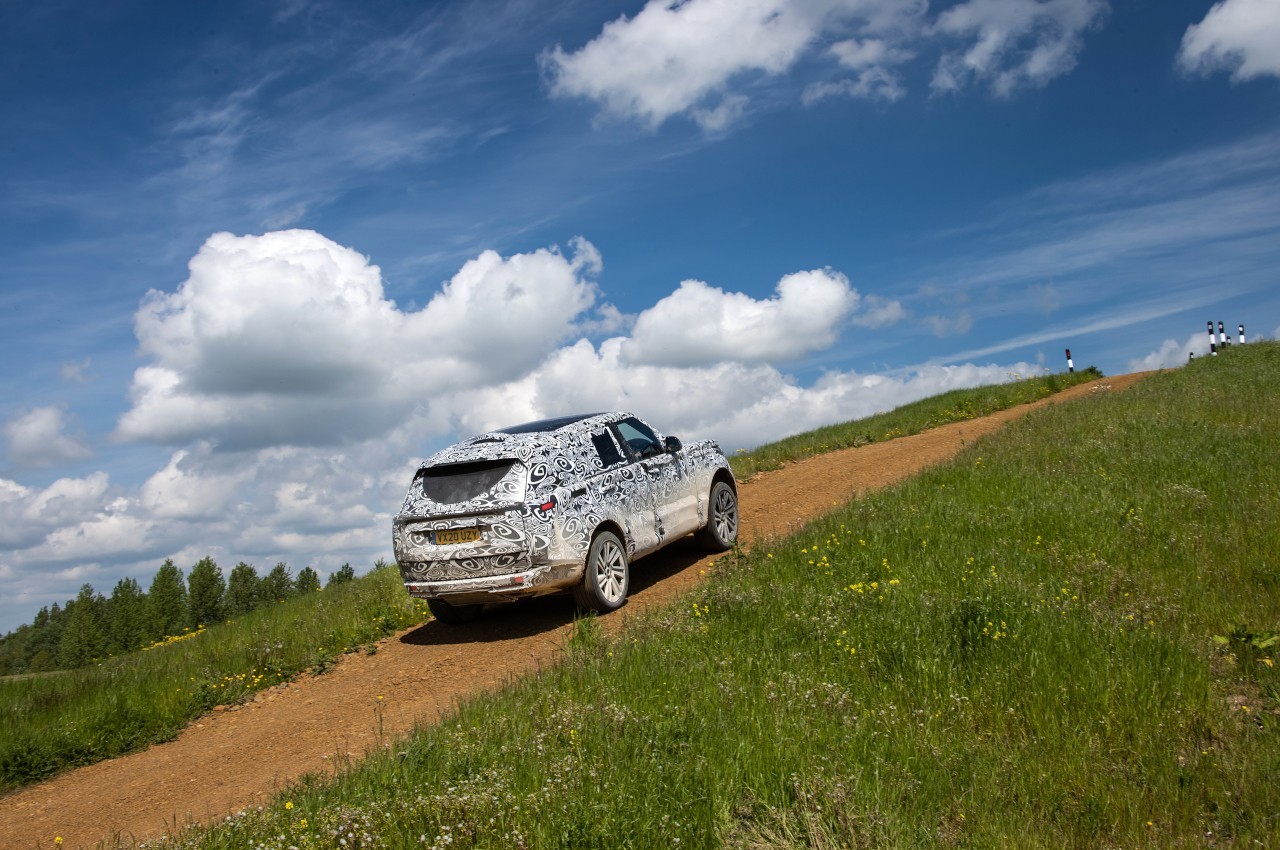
point(259, 258)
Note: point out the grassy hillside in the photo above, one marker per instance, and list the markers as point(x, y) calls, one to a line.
point(953, 406)
point(128, 702)
point(1061, 639)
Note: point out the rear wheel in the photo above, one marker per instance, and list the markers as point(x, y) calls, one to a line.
point(447, 612)
point(607, 577)
point(721, 530)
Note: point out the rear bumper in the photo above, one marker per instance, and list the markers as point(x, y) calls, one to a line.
point(536, 581)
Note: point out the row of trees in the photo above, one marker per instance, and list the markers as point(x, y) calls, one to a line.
point(93, 626)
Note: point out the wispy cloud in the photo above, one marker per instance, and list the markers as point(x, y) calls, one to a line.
point(1121, 246)
point(1129, 316)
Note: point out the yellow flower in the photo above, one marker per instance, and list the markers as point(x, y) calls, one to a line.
point(57, 839)
point(288, 806)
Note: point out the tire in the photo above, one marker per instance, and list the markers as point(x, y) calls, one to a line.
point(607, 576)
point(721, 530)
point(453, 615)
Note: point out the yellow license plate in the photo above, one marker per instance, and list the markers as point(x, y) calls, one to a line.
point(457, 535)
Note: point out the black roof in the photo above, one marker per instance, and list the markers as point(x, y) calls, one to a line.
point(544, 425)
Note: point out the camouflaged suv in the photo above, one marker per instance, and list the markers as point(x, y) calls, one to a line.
point(555, 505)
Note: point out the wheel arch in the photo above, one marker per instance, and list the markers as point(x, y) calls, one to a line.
point(616, 529)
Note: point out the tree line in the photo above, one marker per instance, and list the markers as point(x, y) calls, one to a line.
point(92, 627)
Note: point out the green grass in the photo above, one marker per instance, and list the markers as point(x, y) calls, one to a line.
point(954, 406)
point(1016, 649)
point(83, 716)
point(72, 718)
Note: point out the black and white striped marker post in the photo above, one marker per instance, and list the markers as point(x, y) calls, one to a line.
point(1242, 334)
point(1222, 335)
point(1213, 340)
point(1071, 367)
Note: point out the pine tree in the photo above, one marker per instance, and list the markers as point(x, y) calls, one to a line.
point(83, 640)
point(206, 590)
point(126, 617)
point(166, 602)
point(342, 575)
point(243, 589)
point(278, 584)
point(13, 651)
point(308, 581)
point(42, 648)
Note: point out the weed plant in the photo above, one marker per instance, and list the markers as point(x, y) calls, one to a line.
point(126, 703)
point(1016, 649)
point(953, 406)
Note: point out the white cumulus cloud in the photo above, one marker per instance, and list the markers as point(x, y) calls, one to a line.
point(288, 338)
point(1171, 353)
point(674, 55)
point(700, 323)
point(1013, 43)
point(692, 56)
point(114, 530)
point(185, 488)
point(1240, 36)
point(38, 438)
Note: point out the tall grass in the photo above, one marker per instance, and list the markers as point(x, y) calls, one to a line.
point(953, 406)
point(1013, 650)
point(82, 716)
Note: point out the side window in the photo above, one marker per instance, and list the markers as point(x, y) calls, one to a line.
point(607, 449)
point(641, 441)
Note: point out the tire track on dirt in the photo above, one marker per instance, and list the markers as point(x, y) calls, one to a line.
point(228, 760)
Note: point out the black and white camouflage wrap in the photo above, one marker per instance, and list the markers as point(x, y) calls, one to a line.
point(525, 550)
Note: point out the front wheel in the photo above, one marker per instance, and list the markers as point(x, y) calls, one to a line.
point(607, 576)
point(447, 612)
point(721, 530)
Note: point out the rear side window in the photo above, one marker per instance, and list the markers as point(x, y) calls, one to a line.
point(453, 483)
point(607, 449)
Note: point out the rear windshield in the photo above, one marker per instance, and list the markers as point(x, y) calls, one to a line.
point(461, 482)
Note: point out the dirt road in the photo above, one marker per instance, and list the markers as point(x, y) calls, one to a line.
point(228, 760)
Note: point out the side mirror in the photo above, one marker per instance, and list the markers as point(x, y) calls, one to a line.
point(672, 445)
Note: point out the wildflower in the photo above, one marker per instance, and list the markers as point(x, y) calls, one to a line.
point(57, 840)
point(288, 805)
